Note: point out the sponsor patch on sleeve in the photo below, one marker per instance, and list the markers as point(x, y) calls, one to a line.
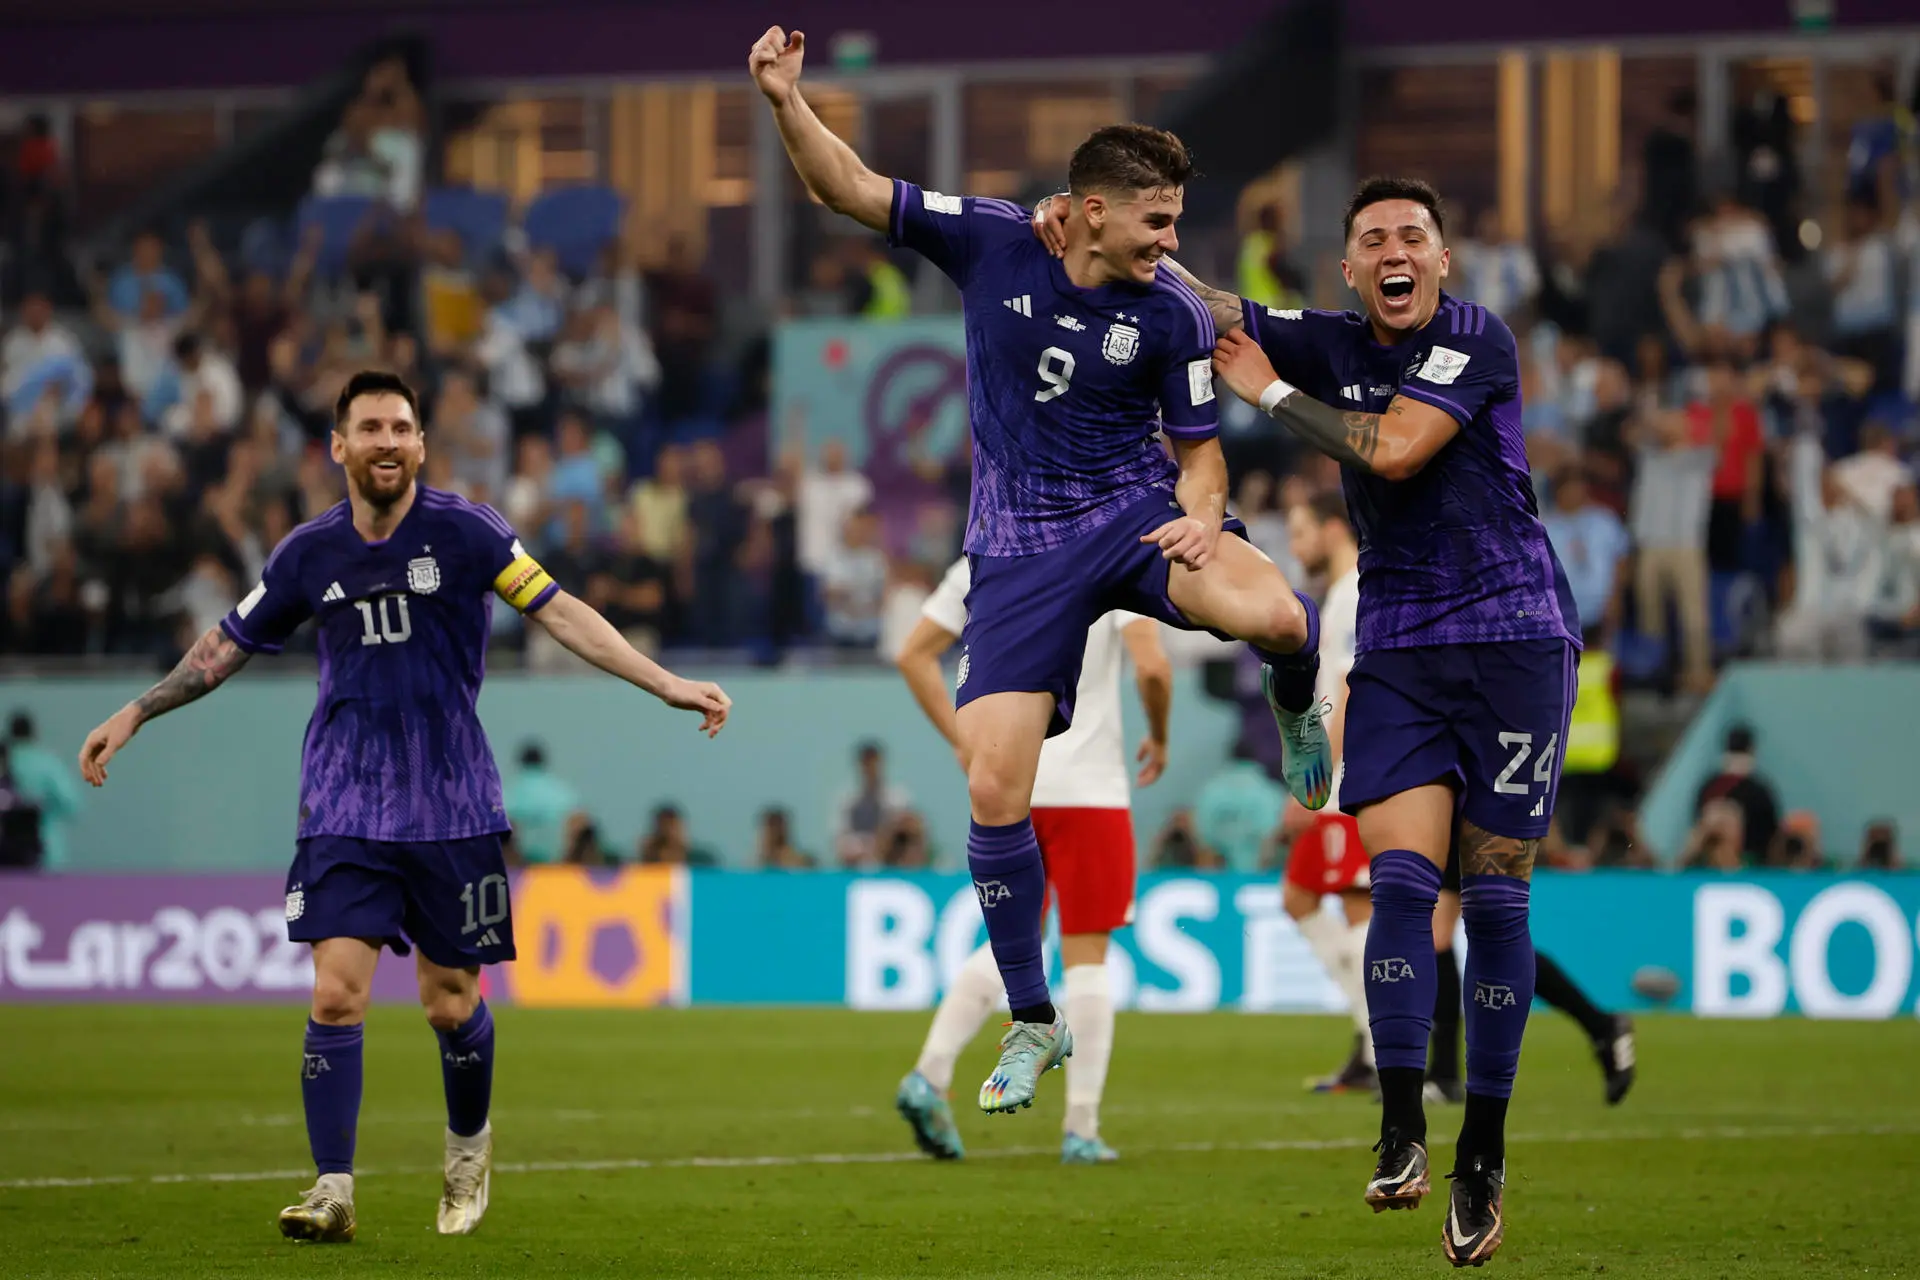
point(934, 202)
point(1200, 380)
point(522, 582)
point(254, 597)
point(1443, 366)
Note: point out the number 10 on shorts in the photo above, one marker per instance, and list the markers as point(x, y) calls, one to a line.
point(485, 901)
point(1521, 745)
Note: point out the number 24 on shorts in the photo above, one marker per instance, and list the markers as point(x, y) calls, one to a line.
point(1521, 744)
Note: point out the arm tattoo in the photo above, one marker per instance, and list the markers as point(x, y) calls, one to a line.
point(1225, 307)
point(212, 659)
point(1348, 437)
point(1484, 854)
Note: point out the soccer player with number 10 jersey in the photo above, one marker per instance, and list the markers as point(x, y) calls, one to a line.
point(401, 824)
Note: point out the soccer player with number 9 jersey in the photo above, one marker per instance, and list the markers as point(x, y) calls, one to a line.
point(401, 824)
point(1074, 370)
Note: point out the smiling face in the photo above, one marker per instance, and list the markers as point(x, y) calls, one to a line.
point(1134, 230)
point(381, 446)
point(1395, 262)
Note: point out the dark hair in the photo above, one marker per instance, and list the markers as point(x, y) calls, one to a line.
point(532, 755)
point(869, 750)
point(373, 382)
point(186, 346)
point(1327, 505)
point(1740, 739)
point(20, 728)
point(1128, 157)
point(1376, 189)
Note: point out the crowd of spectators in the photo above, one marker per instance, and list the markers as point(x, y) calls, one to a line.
point(1720, 389)
point(166, 419)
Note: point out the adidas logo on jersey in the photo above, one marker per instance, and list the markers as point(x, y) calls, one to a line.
point(333, 593)
point(1022, 304)
point(1539, 808)
point(488, 939)
point(1351, 393)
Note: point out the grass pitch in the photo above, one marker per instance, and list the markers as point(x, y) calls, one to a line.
point(161, 1142)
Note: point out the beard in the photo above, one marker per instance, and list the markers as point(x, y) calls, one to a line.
point(381, 489)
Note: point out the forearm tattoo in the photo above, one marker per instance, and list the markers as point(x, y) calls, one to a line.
point(212, 659)
point(1484, 854)
point(1226, 308)
point(1347, 437)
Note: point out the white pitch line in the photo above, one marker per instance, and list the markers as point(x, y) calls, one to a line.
point(1710, 1133)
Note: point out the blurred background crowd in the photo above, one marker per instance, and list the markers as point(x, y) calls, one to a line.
point(1720, 345)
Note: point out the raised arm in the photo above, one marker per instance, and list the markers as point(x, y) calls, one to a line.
point(212, 659)
point(582, 631)
point(1393, 445)
point(827, 165)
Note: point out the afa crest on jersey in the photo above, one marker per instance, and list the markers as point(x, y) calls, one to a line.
point(1121, 345)
point(423, 575)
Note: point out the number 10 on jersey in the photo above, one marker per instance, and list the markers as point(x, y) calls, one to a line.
point(394, 625)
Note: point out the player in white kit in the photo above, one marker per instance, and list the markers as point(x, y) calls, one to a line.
point(1326, 857)
point(1084, 824)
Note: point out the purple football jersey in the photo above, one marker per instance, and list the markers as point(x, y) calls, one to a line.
point(395, 750)
point(1066, 387)
point(1457, 553)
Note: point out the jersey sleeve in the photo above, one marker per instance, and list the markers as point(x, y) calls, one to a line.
point(1476, 362)
point(1187, 408)
point(517, 577)
point(267, 615)
point(1296, 341)
point(946, 608)
point(951, 231)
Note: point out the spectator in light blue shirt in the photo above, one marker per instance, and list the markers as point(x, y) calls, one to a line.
point(47, 781)
point(146, 271)
point(1592, 545)
point(544, 810)
point(577, 477)
point(1237, 814)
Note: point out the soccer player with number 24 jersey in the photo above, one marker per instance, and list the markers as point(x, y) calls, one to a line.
point(1468, 645)
point(401, 824)
point(1074, 370)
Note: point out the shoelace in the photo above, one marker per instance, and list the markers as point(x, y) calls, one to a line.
point(321, 1201)
point(1023, 1039)
point(463, 1180)
point(1480, 1185)
point(1300, 730)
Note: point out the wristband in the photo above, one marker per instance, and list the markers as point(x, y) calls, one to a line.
point(1277, 390)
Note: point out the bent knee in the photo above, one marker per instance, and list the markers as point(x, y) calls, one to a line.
point(449, 1009)
point(1283, 623)
point(338, 1001)
point(997, 797)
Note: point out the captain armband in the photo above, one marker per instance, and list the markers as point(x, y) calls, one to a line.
point(523, 583)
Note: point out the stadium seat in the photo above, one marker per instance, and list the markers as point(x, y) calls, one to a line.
point(480, 217)
point(575, 222)
point(338, 217)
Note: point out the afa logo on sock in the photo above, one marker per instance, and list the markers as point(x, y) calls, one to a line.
point(1493, 995)
point(1391, 969)
point(315, 1064)
point(992, 893)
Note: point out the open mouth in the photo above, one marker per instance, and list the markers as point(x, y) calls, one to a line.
point(386, 468)
point(1396, 287)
